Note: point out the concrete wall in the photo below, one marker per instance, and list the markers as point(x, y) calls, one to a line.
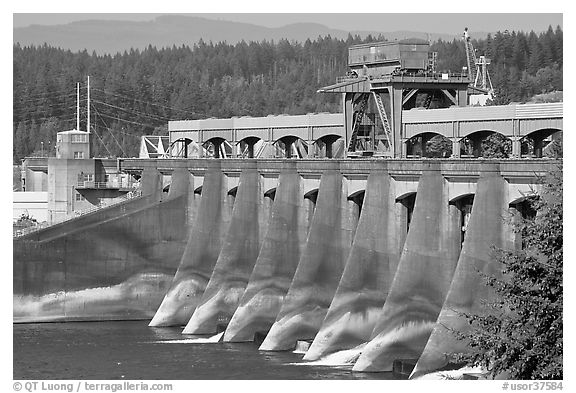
point(115, 264)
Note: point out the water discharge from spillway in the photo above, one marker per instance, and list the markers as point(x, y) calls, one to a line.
point(487, 228)
point(319, 269)
point(236, 260)
point(346, 357)
point(421, 280)
point(200, 255)
point(366, 279)
point(276, 263)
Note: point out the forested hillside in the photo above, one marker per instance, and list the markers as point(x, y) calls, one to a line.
point(137, 92)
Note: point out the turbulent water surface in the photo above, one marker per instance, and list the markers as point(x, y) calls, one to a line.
point(132, 350)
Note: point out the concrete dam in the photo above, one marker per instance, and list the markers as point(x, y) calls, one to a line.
point(379, 255)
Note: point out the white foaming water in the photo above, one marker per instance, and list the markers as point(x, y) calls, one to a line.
point(199, 340)
point(452, 374)
point(346, 357)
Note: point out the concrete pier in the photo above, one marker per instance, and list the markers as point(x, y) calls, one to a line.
point(236, 259)
point(366, 279)
point(276, 263)
point(319, 269)
point(487, 229)
point(202, 250)
point(421, 280)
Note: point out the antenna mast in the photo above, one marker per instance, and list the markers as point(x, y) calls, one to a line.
point(78, 106)
point(88, 107)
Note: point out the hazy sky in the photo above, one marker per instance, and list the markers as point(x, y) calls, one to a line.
point(435, 23)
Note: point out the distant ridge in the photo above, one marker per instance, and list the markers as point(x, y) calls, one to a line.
point(110, 37)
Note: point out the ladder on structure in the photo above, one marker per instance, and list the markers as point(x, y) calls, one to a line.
point(357, 121)
point(385, 122)
point(428, 101)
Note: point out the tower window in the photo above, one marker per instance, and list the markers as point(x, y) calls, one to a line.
point(79, 138)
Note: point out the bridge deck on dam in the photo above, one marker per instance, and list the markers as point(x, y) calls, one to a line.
point(514, 121)
point(316, 132)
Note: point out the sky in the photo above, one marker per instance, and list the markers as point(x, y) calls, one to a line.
point(437, 23)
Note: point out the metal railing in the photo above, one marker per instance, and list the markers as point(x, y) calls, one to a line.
point(349, 78)
point(123, 198)
point(104, 185)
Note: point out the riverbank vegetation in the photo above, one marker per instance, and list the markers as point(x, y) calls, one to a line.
point(520, 336)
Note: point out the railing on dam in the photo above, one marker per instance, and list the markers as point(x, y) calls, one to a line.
point(484, 113)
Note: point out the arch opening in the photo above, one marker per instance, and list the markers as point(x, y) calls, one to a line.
point(429, 145)
point(180, 148)
point(217, 148)
point(329, 146)
point(407, 201)
point(522, 209)
point(357, 199)
point(312, 195)
point(542, 143)
point(290, 146)
point(271, 194)
point(232, 192)
point(247, 147)
point(485, 144)
point(464, 205)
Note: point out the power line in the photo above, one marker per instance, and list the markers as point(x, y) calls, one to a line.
point(128, 121)
point(46, 92)
point(23, 111)
point(42, 118)
point(153, 117)
point(109, 130)
point(46, 97)
point(149, 103)
point(101, 141)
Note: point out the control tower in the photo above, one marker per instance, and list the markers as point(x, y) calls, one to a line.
point(384, 79)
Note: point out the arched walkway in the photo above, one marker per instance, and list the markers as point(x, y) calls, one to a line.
point(329, 146)
point(430, 145)
point(246, 147)
point(217, 148)
point(181, 148)
point(534, 143)
point(290, 146)
point(487, 144)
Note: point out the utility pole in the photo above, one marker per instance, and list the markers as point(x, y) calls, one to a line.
point(78, 106)
point(88, 106)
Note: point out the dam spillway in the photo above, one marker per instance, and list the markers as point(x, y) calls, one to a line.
point(337, 252)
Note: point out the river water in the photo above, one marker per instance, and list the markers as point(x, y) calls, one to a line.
point(133, 351)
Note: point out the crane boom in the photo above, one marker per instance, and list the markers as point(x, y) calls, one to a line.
point(478, 68)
